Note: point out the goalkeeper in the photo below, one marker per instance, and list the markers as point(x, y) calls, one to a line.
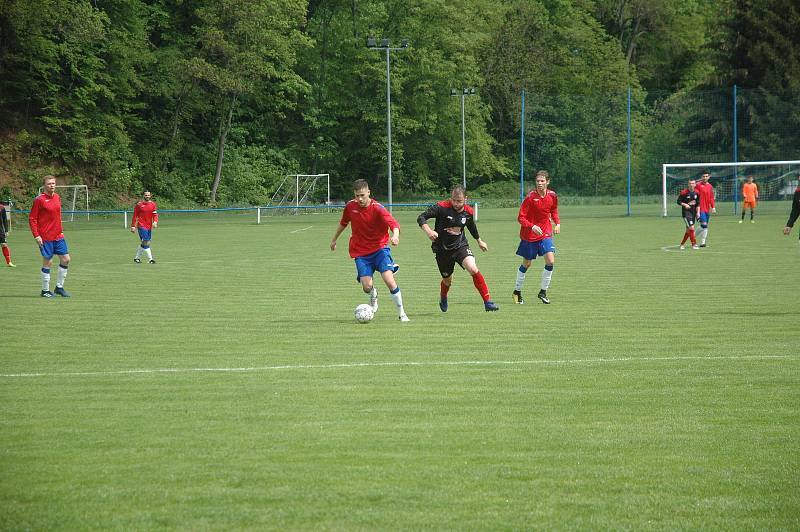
point(795, 212)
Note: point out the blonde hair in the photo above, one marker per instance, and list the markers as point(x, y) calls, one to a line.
point(47, 178)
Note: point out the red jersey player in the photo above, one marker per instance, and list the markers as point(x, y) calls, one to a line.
point(706, 192)
point(536, 234)
point(3, 230)
point(45, 223)
point(370, 225)
point(145, 219)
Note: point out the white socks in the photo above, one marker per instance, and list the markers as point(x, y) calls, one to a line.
point(398, 301)
point(46, 279)
point(62, 275)
point(520, 280)
point(546, 276)
point(149, 253)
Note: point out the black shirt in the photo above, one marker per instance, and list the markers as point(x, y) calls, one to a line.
point(450, 225)
point(690, 198)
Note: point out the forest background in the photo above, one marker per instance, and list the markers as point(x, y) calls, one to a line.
point(214, 102)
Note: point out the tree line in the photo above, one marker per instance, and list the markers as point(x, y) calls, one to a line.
point(215, 101)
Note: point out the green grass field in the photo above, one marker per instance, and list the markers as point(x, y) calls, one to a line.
point(229, 387)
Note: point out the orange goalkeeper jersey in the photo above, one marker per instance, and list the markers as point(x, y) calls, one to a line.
point(750, 192)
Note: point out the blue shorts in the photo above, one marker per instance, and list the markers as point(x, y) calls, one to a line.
point(529, 250)
point(704, 217)
point(380, 261)
point(145, 234)
point(53, 247)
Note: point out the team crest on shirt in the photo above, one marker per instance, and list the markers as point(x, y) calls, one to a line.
point(464, 220)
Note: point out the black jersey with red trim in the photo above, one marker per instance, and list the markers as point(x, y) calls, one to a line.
point(690, 198)
point(450, 225)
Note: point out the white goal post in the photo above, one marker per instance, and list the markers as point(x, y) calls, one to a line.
point(72, 196)
point(777, 177)
point(301, 189)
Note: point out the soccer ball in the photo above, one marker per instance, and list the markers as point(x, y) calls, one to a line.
point(363, 313)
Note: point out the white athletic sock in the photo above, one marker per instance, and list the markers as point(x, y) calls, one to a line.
point(546, 275)
point(373, 299)
point(149, 253)
point(46, 279)
point(139, 252)
point(520, 280)
point(61, 276)
point(398, 302)
point(704, 234)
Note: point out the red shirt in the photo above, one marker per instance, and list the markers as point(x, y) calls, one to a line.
point(538, 210)
point(144, 214)
point(370, 229)
point(45, 218)
point(706, 191)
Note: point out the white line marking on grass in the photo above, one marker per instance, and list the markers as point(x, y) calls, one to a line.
point(586, 361)
point(303, 229)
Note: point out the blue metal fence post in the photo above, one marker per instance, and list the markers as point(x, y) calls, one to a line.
point(522, 151)
point(735, 155)
point(629, 151)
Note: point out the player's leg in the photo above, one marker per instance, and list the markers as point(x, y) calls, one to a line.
point(6, 251)
point(446, 265)
point(704, 218)
point(526, 250)
point(468, 263)
point(752, 213)
point(364, 272)
point(47, 264)
point(386, 266)
point(63, 266)
point(547, 272)
point(744, 209)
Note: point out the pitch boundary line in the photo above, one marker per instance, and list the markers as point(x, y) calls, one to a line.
point(252, 369)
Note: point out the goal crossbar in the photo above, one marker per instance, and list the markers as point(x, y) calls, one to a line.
point(735, 165)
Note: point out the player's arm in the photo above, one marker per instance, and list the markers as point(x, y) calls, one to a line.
point(336, 234)
point(422, 221)
point(393, 225)
point(523, 219)
point(555, 217)
point(155, 215)
point(33, 221)
point(794, 214)
point(134, 218)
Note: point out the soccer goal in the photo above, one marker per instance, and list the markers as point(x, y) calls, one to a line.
point(74, 200)
point(299, 192)
point(775, 179)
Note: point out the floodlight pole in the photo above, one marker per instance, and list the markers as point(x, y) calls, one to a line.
point(384, 45)
point(464, 92)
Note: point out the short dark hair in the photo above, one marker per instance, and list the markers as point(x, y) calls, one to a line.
point(544, 173)
point(358, 184)
point(458, 189)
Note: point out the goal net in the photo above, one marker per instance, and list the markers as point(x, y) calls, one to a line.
point(74, 200)
point(299, 193)
point(776, 180)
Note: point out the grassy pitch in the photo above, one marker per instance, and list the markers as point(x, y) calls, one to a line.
point(228, 386)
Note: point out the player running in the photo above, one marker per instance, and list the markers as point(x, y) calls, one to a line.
point(3, 231)
point(145, 219)
point(45, 223)
point(689, 200)
point(371, 223)
point(706, 192)
point(749, 198)
point(794, 213)
point(536, 234)
point(450, 245)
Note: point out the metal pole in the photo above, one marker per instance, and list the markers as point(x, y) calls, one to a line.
point(463, 143)
point(522, 151)
point(389, 122)
point(735, 155)
point(629, 151)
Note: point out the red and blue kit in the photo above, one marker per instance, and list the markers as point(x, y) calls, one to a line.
point(45, 218)
point(144, 214)
point(370, 227)
point(706, 193)
point(538, 210)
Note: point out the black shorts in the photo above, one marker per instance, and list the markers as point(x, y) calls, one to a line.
point(2, 237)
point(689, 221)
point(447, 259)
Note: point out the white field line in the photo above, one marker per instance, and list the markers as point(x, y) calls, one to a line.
point(582, 361)
point(303, 229)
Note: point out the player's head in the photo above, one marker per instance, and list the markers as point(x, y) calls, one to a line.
point(361, 192)
point(49, 183)
point(705, 176)
point(458, 197)
point(147, 195)
point(749, 179)
point(542, 179)
point(692, 184)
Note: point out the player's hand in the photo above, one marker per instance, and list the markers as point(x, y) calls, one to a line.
point(133, 229)
point(787, 230)
point(395, 239)
point(155, 224)
point(537, 230)
point(557, 228)
point(433, 235)
point(38, 240)
point(482, 245)
point(333, 245)
point(713, 210)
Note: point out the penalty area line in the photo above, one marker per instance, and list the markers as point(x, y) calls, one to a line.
point(253, 369)
point(299, 230)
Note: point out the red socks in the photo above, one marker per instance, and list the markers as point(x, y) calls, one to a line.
point(7, 255)
point(443, 289)
point(689, 234)
point(480, 284)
